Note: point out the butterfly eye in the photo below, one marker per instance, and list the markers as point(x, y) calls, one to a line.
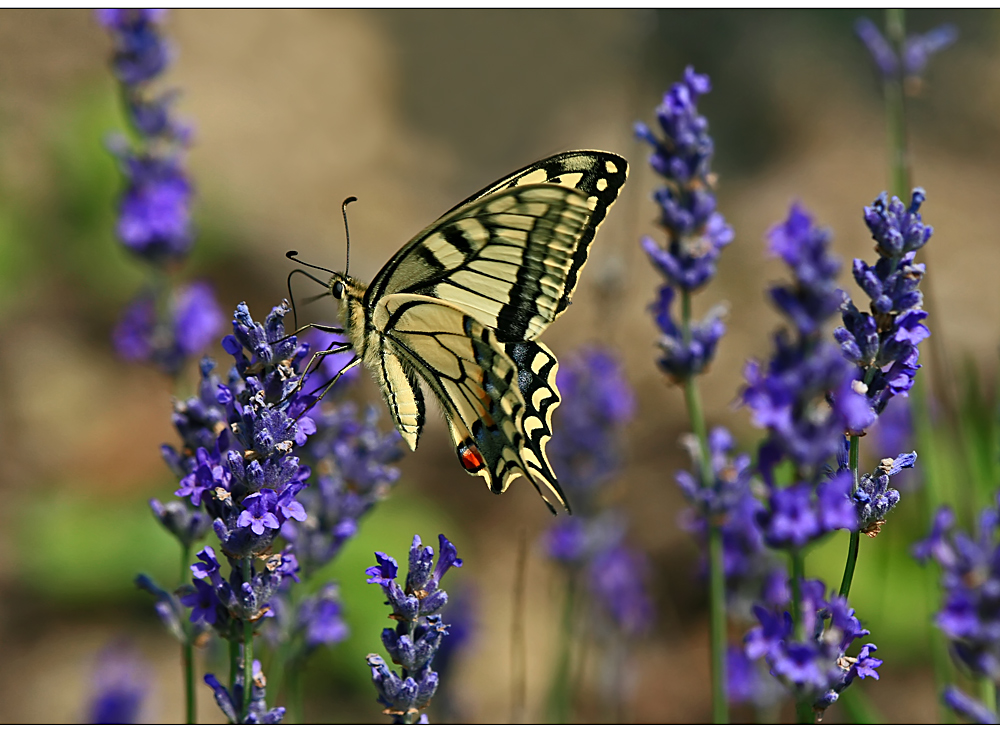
point(338, 290)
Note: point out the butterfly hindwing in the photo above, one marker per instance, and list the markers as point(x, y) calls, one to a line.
point(536, 378)
point(511, 255)
point(472, 377)
point(402, 394)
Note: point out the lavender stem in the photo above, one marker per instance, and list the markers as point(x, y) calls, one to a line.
point(852, 550)
point(988, 692)
point(247, 646)
point(559, 696)
point(716, 570)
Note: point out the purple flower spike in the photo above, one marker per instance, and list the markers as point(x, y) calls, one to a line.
point(418, 634)
point(695, 232)
point(884, 342)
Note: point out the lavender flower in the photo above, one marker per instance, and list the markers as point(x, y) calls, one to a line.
point(245, 495)
point(230, 701)
point(747, 683)
point(873, 498)
point(619, 577)
point(916, 52)
point(187, 525)
point(816, 667)
point(696, 232)
point(970, 577)
point(413, 643)
point(809, 398)
point(883, 342)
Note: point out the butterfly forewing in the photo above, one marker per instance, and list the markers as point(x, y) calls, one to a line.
point(512, 254)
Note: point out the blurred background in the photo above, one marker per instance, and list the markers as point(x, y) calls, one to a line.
point(411, 111)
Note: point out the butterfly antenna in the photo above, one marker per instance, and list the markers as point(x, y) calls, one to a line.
point(291, 297)
point(347, 231)
point(293, 255)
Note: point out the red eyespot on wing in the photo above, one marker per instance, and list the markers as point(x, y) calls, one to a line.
point(471, 458)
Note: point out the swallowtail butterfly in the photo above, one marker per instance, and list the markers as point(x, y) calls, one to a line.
point(461, 305)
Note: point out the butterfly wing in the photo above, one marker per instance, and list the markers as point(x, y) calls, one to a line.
point(477, 383)
point(511, 255)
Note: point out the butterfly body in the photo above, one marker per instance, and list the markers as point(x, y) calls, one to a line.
point(459, 309)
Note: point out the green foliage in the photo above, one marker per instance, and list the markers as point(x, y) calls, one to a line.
point(83, 550)
point(390, 529)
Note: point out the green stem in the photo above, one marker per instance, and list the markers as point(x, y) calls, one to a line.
point(852, 550)
point(988, 692)
point(247, 647)
point(191, 708)
point(234, 662)
point(559, 695)
point(852, 561)
point(803, 708)
point(293, 694)
point(717, 623)
point(716, 567)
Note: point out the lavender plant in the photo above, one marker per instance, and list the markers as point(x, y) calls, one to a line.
point(237, 466)
point(419, 630)
point(606, 596)
point(164, 325)
point(695, 235)
point(807, 398)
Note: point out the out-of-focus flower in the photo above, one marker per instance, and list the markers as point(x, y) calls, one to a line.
point(916, 52)
point(968, 707)
point(353, 472)
point(970, 577)
point(194, 320)
point(161, 325)
point(597, 402)
point(586, 454)
point(120, 685)
point(807, 397)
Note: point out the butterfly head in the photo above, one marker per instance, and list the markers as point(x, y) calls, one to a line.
point(336, 288)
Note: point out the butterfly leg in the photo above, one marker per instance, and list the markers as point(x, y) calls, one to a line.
point(317, 326)
point(331, 382)
point(314, 362)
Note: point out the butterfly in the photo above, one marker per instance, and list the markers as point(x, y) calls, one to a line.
point(461, 305)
